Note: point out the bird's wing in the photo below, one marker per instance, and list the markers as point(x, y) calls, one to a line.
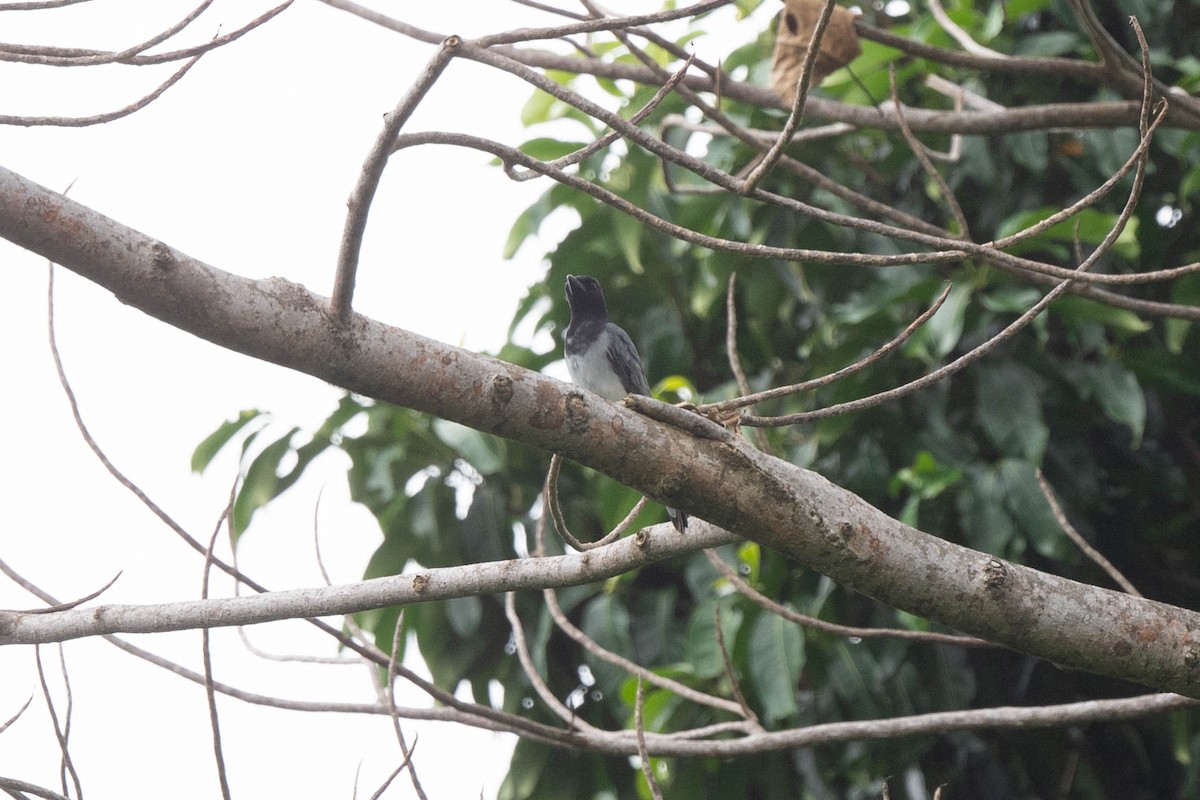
point(626, 363)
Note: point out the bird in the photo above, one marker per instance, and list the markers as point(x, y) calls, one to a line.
point(600, 355)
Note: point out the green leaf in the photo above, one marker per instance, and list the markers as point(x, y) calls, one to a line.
point(1010, 299)
point(1186, 291)
point(348, 407)
point(527, 224)
point(703, 649)
point(985, 518)
point(1030, 150)
point(545, 148)
point(1030, 511)
point(484, 453)
point(776, 656)
point(1046, 45)
point(1159, 369)
point(1009, 409)
point(606, 621)
point(207, 450)
point(530, 761)
point(926, 478)
point(1117, 391)
point(943, 331)
point(465, 614)
point(628, 233)
point(261, 484)
point(1092, 226)
point(537, 108)
point(484, 526)
point(1076, 310)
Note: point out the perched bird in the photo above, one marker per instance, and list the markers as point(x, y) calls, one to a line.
point(600, 355)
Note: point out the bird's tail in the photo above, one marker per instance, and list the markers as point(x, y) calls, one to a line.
point(678, 519)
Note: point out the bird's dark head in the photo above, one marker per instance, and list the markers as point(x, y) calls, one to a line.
point(585, 296)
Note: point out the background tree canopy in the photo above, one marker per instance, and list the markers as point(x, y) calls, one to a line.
point(1101, 398)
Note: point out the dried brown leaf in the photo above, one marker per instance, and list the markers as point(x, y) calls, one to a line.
point(839, 46)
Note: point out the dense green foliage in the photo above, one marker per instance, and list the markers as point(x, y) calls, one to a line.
point(1105, 402)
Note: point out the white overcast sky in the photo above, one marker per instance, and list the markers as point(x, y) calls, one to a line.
point(245, 164)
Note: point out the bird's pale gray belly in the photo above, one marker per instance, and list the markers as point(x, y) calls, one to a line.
point(593, 372)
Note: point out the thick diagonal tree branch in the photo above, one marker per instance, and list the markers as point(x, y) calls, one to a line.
point(718, 478)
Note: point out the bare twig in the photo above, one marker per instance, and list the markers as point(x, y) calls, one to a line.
point(567, 715)
point(984, 62)
point(61, 731)
point(722, 408)
point(662, 682)
point(38, 5)
point(390, 694)
point(18, 789)
point(959, 35)
point(206, 656)
point(735, 359)
point(731, 348)
point(796, 113)
point(1121, 69)
point(391, 777)
point(165, 34)
point(610, 137)
point(99, 119)
point(16, 716)
point(134, 55)
point(1058, 115)
point(359, 204)
point(560, 523)
point(1076, 537)
point(550, 9)
point(727, 659)
point(639, 724)
point(436, 583)
point(74, 603)
point(954, 249)
point(832, 627)
point(108, 465)
point(686, 744)
point(349, 622)
point(918, 150)
point(595, 25)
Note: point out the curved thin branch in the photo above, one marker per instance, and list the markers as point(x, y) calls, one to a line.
point(748, 400)
point(959, 35)
point(99, 119)
point(560, 523)
point(639, 725)
point(637, 670)
point(816, 623)
point(39, 5)
point(796, 112)
point(24, 787)
point(206, 659)
point(922, 156)
point(132, 56)
point(359, 204)
point(567, 715)
point(596, 25)
point(984, 62)
point(1075, 536)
